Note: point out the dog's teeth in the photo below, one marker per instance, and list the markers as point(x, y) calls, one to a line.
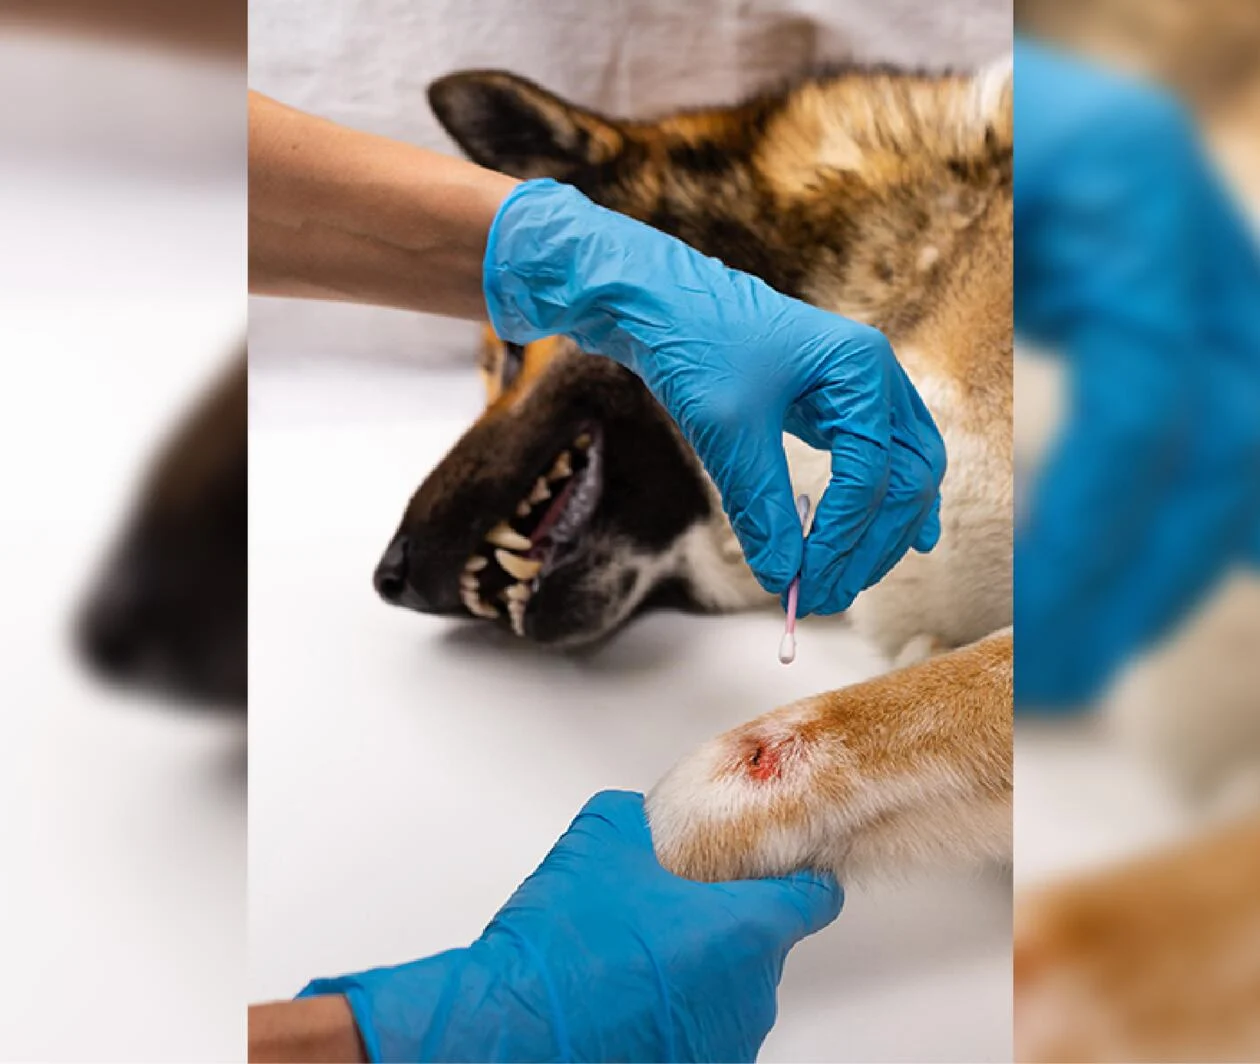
point(502, 535)
point(515, 593)
point(476, 607)
point(523, 509)
point(563, 467)
point(583, 441)
point(515, 565)
point(469, 582)
point(516, 611)
point(541, 491)
point(476, 563)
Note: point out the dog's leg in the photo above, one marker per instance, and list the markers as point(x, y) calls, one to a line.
point(909, 768)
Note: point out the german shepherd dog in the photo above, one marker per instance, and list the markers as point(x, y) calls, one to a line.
point(573, 501)
point(168, 612)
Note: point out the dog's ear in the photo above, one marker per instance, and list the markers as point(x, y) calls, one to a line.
point(510, 124)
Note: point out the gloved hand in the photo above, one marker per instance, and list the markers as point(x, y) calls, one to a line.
point(1131, 263)
point(600, 955)
point(735, 363)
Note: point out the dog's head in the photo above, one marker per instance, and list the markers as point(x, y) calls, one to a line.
point(169, 609)
point(573, 501)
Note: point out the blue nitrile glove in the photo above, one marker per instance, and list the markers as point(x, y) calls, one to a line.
point(1132, 263)
point(735, 363)
point(600, 955)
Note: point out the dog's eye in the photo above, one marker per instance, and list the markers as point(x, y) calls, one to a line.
point(513, 360)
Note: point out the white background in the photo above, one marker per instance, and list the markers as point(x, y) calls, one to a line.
point(122, 820)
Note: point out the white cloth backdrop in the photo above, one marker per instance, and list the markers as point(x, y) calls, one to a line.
point(367, 63)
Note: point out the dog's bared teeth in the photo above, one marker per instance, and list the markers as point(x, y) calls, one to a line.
point(562, 468)
point(476, 563)
point(476, 607)
point(523, 508)
point(516, 593)
point(503, 535)
point(469, 582)
point(583, 441)
point(515, 565)
point(516, 611)
point(541, 492)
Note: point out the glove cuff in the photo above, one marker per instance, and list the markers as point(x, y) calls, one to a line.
point(558, 264)
point(482, 1003)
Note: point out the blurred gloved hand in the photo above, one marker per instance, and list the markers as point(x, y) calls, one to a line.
point(1132, 264)
point(735, 363)
point(600, 955)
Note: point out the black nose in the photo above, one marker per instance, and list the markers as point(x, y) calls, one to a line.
point(390, 578)
point(110, 642)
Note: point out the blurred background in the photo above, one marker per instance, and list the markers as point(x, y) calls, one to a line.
point(1138, 809)
point(122, 315)
point(122, 452)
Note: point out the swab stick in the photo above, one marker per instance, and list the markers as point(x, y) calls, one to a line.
point(787, 645)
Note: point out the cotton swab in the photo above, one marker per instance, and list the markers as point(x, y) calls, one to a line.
point(787, 645)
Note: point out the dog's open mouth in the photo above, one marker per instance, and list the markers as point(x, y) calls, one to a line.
point(520, 551)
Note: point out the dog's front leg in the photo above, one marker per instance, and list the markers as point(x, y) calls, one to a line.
point(910, 768)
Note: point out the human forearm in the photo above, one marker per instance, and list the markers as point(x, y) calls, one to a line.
point(319, 1030)
point(343, 215)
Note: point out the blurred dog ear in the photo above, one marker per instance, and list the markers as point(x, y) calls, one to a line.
point(508, 123)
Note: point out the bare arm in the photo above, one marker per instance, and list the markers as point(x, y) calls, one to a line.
point(317, 1030)
point(337, 214)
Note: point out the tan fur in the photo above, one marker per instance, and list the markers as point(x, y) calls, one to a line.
point(1157, 959)
point(911, 768)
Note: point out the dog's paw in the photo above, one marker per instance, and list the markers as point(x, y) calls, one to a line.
point(911, 768)
point(742, 805)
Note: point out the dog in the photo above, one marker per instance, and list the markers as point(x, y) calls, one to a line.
point(168, 611)
point(1153, 958)
point(573, 502)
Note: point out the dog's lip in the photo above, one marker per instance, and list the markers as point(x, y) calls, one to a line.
point(519, 552)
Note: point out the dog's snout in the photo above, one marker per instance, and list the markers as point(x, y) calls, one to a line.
point(390, 578)
point(109, 639)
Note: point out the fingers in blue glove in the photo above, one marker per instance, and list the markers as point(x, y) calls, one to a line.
point(929, 533)
point(757, 491)
point(848, 509)
point(908, 504)
point(789, 907)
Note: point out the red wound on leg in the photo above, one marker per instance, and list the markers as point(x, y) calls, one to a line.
point(763, 760)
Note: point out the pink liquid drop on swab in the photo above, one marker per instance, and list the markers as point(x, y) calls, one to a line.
point(787, 645)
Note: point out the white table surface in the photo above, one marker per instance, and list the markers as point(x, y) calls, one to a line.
point(406, 772)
